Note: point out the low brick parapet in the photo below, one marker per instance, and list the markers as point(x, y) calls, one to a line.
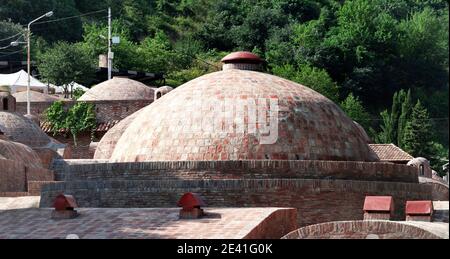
point(305, 169)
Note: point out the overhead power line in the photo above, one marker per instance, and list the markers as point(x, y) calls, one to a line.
point(12, 53)
point(70, 17)
point(10, 37)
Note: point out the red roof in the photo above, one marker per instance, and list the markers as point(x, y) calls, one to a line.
point(390, 152)
point(101, 127)
point(242, 57)
point(419, 207)
point(378, 203)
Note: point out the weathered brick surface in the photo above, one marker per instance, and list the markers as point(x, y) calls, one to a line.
point(275, 225)
point(222, 223)
point(14, 176)
point(34, 187)
point(237, 169)
point(366, 230)
point(309, 126)
point(117, 110)
point(37, 108)
point(108, 142)
point(316, 200)
point(13, 194)
point(20, 129)
point(81, 150)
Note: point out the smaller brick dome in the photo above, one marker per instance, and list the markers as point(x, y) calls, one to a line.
point(118, 88)
point(20, 129)
point(108, 142)
point(21, 97)
point(19, 152)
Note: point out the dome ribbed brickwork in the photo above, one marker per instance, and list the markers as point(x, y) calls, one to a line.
point(118, 89)
point(310, 126)
point(19, 152)
point(20, 129)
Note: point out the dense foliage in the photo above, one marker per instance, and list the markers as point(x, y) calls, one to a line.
point(78, 118)
point(358, 53)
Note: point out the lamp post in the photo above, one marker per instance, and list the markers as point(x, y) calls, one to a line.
point(29, 59)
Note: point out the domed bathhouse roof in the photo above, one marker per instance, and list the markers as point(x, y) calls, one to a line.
point(20, 129)
point(239, 114)
point(118, 88)
point(19, 152)
point(107, 144)
point(36, 97)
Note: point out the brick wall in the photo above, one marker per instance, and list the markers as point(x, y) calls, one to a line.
point(276, 225)
point(117, 110)
point(81, 151)
point(361, 230)
point(14, 176)
point(36, 108)
point(345, 170)
point(321, 191)
point(316, 200)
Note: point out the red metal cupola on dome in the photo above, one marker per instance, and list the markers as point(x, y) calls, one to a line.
point(242, 57)
point(242, 60)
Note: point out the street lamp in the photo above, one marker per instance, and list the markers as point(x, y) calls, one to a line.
point(28, 56)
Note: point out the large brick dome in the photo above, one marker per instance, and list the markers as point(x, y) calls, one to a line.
point(23, 130)
point(118, 88)
point(175, 127)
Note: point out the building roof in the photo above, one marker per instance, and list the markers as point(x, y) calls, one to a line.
point(108, 142)
point(152, 223)
point(19, 152)
point(101, 127)
point(390, 152)
point(21, 97)
point(118, 89)
point(20, 129)
point(185, 125)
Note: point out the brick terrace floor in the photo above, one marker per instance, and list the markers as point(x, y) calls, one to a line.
point(113, 223)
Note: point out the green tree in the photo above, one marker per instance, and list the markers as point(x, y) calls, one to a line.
point(24, 11)
point(80, 118)
point(354, 108)
point(65, 63)
point(11, 32)
point(406, 110)
point(312, 77)
point(394, 122)
point(417, 135)
point(56, 116)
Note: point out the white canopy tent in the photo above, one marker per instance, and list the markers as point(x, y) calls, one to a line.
point(18, 82)
point(75, 85)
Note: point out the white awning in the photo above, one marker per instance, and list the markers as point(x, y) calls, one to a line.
point(18, 82)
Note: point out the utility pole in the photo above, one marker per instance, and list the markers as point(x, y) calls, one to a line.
point(28, 69)
point(110, 54)
point(29, 58)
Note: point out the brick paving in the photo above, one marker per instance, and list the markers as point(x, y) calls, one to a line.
point(118, 223)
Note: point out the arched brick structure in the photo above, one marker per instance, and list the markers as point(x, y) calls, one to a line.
point(368, 229)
